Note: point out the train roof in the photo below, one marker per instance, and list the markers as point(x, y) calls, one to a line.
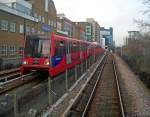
point(42, 36)
point(73, 39)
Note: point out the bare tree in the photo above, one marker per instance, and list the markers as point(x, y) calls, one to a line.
point(144, 23)
point(137, 53)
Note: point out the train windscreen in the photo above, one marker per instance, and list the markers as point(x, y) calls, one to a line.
point(37, 48)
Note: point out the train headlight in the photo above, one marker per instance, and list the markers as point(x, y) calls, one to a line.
point(25, 62)
point(46, 62)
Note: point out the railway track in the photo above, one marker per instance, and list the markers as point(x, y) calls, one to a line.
point(15, 80)
point(9, 74)
point(9, 71)
point(101, 97)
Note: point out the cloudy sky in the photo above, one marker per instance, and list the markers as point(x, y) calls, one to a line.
point(116, 13)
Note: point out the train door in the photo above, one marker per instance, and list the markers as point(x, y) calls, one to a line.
point(68, 52)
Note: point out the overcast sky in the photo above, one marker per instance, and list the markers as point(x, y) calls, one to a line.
point(116, 13)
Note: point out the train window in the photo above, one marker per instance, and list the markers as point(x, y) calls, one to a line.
point(45, 48)
point(59, 48)
point(37, 48)
point(61, 43)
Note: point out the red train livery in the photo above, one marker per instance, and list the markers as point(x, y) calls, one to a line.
point(56, 54)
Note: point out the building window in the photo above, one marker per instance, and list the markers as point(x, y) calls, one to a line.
point(21, 29)
point(12, 27)
point(12, 50)
point(27, 29)
point(3, 50)
point(4, 25)
point(21, 8)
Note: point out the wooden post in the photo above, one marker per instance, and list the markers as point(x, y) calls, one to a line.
point(16, 113)
point(49, 91)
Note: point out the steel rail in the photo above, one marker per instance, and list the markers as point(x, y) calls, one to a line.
point(118, 90)
point(83, 87)
point(2, 73)
point(93, 91)
point(20, 77)
point(9, 76)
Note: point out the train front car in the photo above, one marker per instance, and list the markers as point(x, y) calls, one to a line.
point(58, 55)
point(36, 54)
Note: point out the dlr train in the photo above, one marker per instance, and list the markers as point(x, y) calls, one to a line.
point(56, 53)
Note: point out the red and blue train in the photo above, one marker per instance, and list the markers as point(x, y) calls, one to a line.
point(56, 53)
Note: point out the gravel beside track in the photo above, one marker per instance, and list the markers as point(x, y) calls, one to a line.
point(135, 94)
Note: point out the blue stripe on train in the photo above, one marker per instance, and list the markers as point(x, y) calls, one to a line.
point(56, 60)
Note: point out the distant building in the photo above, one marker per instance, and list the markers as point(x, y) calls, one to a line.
point(65, 25)
point(87, 31)
point(107, 34)
point(134, 35)
point(79, 31)
point(19, 18)
point(95, 29)
point(103, 42)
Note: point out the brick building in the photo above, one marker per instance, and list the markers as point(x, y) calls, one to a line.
point(96, 29)
point(79, 31)
point(88, 31)
point(69, 28)
point(19, 18)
